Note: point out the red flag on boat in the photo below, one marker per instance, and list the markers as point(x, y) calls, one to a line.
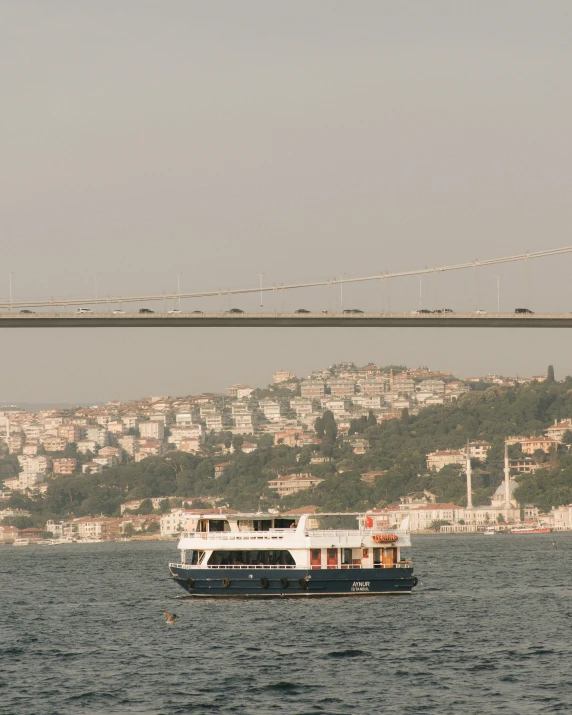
point(368, 522)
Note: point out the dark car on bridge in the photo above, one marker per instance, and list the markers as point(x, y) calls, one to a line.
point(523, 311)
point(302, 310)
point(353, 310)
point(27, 312)
point(236, 310)
point(146, 310)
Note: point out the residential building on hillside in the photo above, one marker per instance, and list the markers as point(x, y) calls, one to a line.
point(312, 388)
point(374, 387)
point(292, 483)
point(437, 460)
point(70, 432)
point(192, 445)
point(530, 445)
point(65, 465)
point(558, 429)
point(174, 522)
point(130, 421)
point(282, 376)
point(55, 444)
point(86, 445)
point(271, 410)
point(342, 388)
point(183, 419)
point(525, 465)
point(437, 387)
point(151, 430)
point(289, 437)
point(214, 422)
point(240, 392)
point(479, 449)
point(370, 477)
point(91, 468)
point(38, 463)
point(129, 444)
point(99, 435)
point(220, 468)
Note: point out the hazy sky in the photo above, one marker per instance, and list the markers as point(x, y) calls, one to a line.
point(302, 140)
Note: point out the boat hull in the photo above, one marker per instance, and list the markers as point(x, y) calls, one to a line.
point(290, 583)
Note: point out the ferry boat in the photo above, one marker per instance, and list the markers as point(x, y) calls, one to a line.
point(531, 529)
point(21, 542)
point(269, 555)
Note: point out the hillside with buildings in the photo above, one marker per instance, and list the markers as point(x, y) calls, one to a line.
point(391, 439)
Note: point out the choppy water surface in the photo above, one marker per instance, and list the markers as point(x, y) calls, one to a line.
point(489, 630)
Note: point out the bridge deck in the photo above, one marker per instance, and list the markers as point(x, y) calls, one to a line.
point(285, 320)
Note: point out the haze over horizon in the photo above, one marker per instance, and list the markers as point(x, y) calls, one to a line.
point(224, 141)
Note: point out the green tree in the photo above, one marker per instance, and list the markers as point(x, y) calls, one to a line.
point(330, 427)
point(567, 437)
point(128, 530)
point(550, 374)
point(154, 527)
point(319, 427)
point(146, 507)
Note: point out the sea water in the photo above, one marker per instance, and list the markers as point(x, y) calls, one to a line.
point(488, 630)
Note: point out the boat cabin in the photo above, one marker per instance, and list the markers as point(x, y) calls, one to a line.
point(249, 541)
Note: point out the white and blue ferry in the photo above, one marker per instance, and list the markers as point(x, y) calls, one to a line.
point(270, 555)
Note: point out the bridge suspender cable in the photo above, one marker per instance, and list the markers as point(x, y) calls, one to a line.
point(294, 286)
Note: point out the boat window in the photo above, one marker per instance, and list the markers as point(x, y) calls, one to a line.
point(251, 558)
point(283, 523)
point(346, 556)
point(196, 557)
point(262, 525)
point(219, 525)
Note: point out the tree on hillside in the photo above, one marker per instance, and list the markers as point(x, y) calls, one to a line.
point(550, 374)
point(567, 437)
point(330, 426)
point(319, 427)
point(237, 442)
point(146, 507)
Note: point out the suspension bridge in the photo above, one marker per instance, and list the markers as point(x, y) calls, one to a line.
point(114, 311)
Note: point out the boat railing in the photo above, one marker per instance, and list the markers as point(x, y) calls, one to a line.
point(399, 565)
point(273, 535)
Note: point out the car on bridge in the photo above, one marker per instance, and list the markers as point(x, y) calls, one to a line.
point(352, 310)
point(173, 312)
point(197, 312)
point(481, 312)
point(523, 311)
point(27, 312)
point(146, 310)
point(118, 312)
point(421, 311)
point(84, 310)
point(236, 310)
point(302, 310)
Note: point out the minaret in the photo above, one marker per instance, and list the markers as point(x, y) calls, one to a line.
point(469, 479)
point(507, 504)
